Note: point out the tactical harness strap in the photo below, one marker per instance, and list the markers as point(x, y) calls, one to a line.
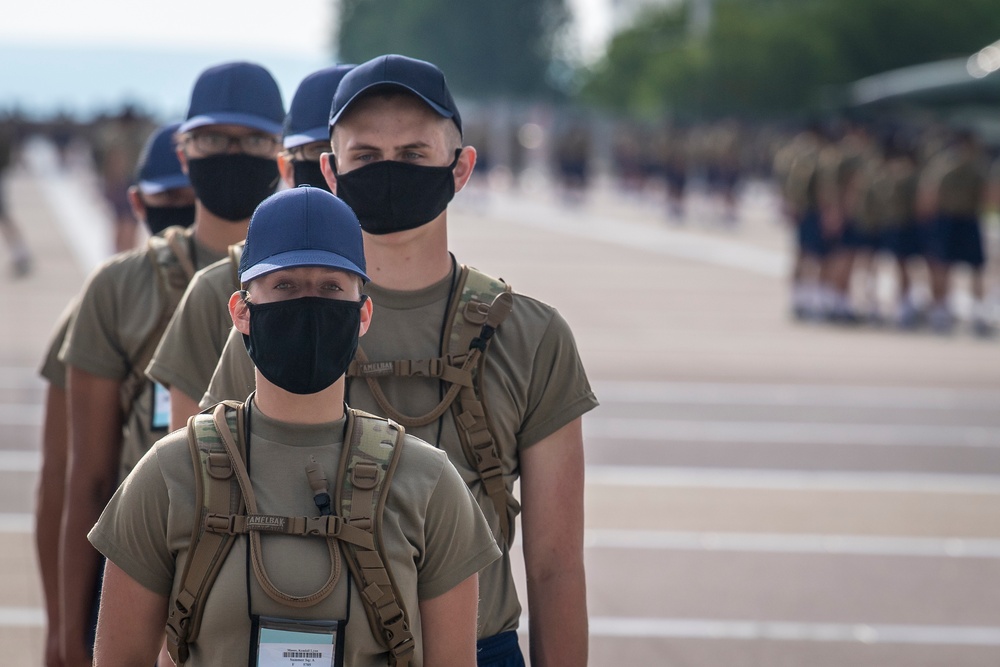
point(223, 491)
point(481, 305)
point(173, 267)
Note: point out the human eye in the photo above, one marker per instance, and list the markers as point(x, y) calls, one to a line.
point(211, 141)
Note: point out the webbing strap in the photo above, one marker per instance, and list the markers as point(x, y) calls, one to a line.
point(302, 526)
point(235, 253)
point(256, 549)
point(368, 462)
point(213, 494)
point(173, 267)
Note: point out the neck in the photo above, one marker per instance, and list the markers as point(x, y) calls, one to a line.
point(410, 260)
point(319, 408)
point(216, 233)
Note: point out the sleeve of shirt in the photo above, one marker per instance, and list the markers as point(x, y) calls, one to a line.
point(132, 530)
point(457, 540)
point(234, 376)
point(559, 391)
point(52, 368)
point(191, 345)
point(92, 341)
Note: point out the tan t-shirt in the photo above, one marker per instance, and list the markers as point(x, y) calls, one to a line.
point(435, 536)
point(119, 307)
point(534, 384)
point(193, 341)
point(52, 368)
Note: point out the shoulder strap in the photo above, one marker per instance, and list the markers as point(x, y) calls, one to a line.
point(173, 267)
point(371, 451)
point(479, 307)
point(216, 493)
point(484, 304)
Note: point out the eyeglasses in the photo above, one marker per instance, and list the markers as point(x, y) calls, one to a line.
point(214, 143)
point(309, 152)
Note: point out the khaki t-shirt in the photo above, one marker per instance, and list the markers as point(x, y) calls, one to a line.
point(52, 368)
point(119, 308)
point(534, 385)
point(434, 534)
point(193, 341)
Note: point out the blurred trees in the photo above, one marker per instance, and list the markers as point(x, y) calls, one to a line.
point(515, 47)
point(777, 57)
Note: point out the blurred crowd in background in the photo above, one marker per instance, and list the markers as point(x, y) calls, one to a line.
point(882, 217)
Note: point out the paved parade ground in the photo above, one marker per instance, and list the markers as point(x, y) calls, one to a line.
point(759, 491)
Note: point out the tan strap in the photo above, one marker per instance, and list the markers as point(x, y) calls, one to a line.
point(329, 526)
point(235, 253)
point(256, 548)
point(173, 267)
point(213, 494)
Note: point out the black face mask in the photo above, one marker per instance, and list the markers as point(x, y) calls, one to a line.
point(159, 218)
point(390, 196)
point(303, 345)
point(307, 172)
point(231, 185)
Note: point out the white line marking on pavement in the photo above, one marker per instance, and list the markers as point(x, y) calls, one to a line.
point(648, 238)
point(22, 617)
point(783, 433)
point(848, 545)
point(20, 377)
point(16, 523)
point(796, 395)
point(694, 628)
point(16, 460)
point(791, 480)
point(20, 414)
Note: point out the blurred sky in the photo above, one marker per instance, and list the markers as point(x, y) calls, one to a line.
point(86, 56)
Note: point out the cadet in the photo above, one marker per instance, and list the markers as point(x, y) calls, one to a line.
point(227, 146)
point(193, 340)
point(951, 192)
point(398, 160)
point(301, 312)
point(160, 196)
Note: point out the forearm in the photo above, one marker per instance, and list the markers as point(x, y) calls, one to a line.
point(557, 612)
point(92, 475)
point(48, 511)
point(182, 407)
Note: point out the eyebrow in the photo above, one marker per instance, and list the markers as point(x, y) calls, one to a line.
point(369, 147)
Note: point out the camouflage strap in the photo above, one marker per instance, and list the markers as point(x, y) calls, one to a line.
point(173, 267)
point(368, 461)
point(480, 305)
point(216, 492)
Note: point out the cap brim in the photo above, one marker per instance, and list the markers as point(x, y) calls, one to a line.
point(441, 111)
point(158, 185)
point(296, 258)
point(309, 136)
point(232, 118)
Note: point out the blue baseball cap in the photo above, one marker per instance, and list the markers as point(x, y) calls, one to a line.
point(237, 93)
point(308, 115)
point(303, 226)
point(421, 78)
point(158, 168)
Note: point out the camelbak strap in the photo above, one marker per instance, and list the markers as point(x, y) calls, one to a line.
point(173, 266)
point(224, 494)
point(480, 306)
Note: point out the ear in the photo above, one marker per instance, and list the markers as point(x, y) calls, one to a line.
point(326, 166)
point(463, 170)
point(286, 170)
point(182, 158)
point(239, 312)
point(366, 316)
point(135, 201)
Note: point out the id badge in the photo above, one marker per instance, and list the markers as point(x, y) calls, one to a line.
point(282, 642)
point(161, 408)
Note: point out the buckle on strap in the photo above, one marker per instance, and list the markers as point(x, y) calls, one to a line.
point(221, 523)
point(421, 367)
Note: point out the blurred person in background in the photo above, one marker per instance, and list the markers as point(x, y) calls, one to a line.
point(951, 195)
point(20, 256)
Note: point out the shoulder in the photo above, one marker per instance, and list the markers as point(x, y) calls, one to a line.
point(216, 278)
point(122, 269)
